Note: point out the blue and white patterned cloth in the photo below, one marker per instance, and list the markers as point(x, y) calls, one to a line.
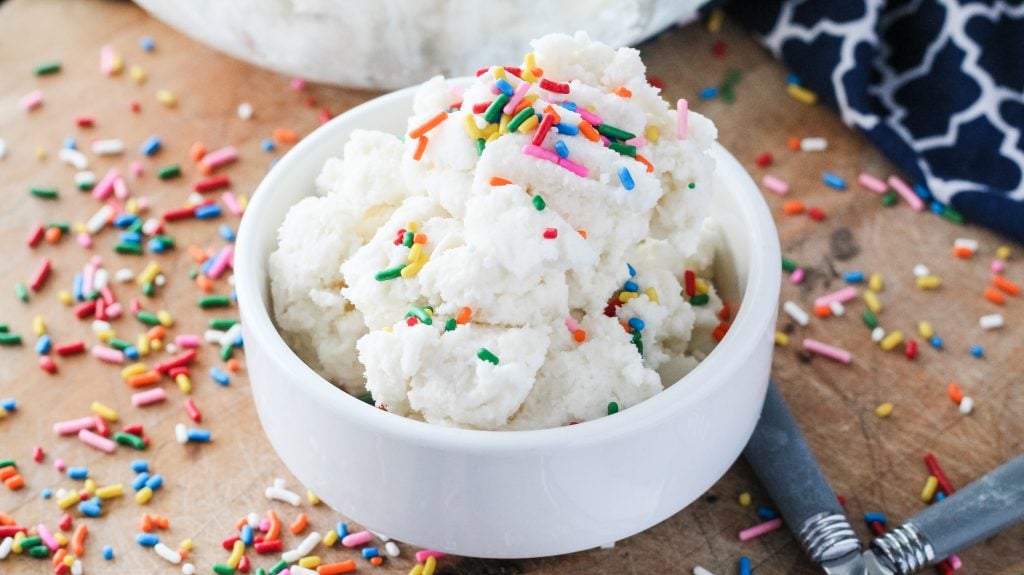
point(937, 85)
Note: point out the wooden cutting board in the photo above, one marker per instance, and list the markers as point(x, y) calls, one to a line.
point(875, 463)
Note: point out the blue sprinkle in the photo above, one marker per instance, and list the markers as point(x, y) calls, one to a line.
point(78, 472)
point(571, 106)
point(70, 143)
point(370, 552)
point(227, 233)
point(47, 493)
point(342, 529)
point(939, 496)
point(90, 508)
point(156, 246)
point(833, 181)
point(631, 269)
point(870, 518)
point(630, 286)
point(977, 351)
point(744, 565)
point(205, 268)
point(43, 344)
point(239, 341)
point(923, 192)
point(199, 436)
point(562, 149)
point(9, 404)
point(151, 146)
point(267, 145)
point(78, 286)
point(246, 535)
point(208, 211)
point(131, 352)
point(125, 220)
point(637, 323)
point(130, 237)
point(854, 277)
point(766, 513)
point(936, 342)
point(709, 93)
point(108, 552)
point(140, 481)
point(626, 178)
point(147, 539)
point(147, 43)
point(936, 207)
point(219, 376)
point(793, 79)
point(567, 128)
point(140, 466)
point(155, 482)
point(506, 88)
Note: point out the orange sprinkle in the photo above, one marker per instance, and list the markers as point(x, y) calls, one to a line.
point(963, 253)
point(463, 317)
point(233, 365)
point(583, 233)
point(52, 235)
point(793, 143)
point(155, 332)
point(419, 238)
point(725, 313)
point(646, 162)
point(822, 311)
point(720, 331)
point(275, 527)
point(1006, 285)
point(588, 131)
point(793, 207)
point(337, 568)
point(625, 327)
point(197, 253)
point(421, 146)
point(6, 519)
point(144, 379)
point(299, 524)
point(538, 72)
point(378, 560)
point(522, 105)
point(549, 109)
point(623, 92)
point(579, 335)
point(496, 181)
point(146, 523)
point(955, 394)
point(285, 136)
point(15, 483)
point(204, 283)
point(197, 151)
point(429, 125)
point(242, 521)
point(78, 539)
point(7, 472)
point(58, 557)
point(995, 296)
point(161, 521)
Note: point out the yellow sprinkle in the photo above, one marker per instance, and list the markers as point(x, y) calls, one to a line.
point(143, 495)
point(531, 97)
point(90, 486)
point(745, 499)
point(65, 297)
point(415, 252)
point(142, 344)
point(652, 294)
point(184, 383)
point(38, 325)
point(701, 285)
point(133, 369)
point(503, 124)
point(471, 127)
point(875, 282)
point(103, 411)
point(412, 269)
point(802, 94)
point(1003, 252)
point(131, 206)
point(187, 545)
point(930, 486)
point(243, 201)
point(148, 274)
point(18, 538)
point(40, 153)
point(155, 344)
point(928, 282)
point(62, 540)
point(651, 133)
point(236, 554)
point(872, 301)
point(715, 20)
point(116, 65)
point(165, 318)
point(104, 335)
point(530, 59)
point(167, 98)
point(884, 410)
point(110, 491)
point(627, 295)
point(489, 131)
point(493, 136)
point(310, 496)
point(330, 538)
point(412, 227)
point(137, 74)
point(69, 500)
point(417, 569)
point(891, 340)
point(310, 562)
point(781, 338)
point(529, 124)
point(429, 565)
point(924, 329)
point(499, 72)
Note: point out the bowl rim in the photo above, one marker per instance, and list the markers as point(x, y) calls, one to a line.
point(758, 307)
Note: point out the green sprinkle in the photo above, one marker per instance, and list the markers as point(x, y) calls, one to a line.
point(30, 542)
point(48, 68)
point(613, 408)
point(420, 314)
point(449, 325)
point(692, 185)
point(85, 185)
point(222, 323)
point(148, 288)
point(9, 339)
point(486, 355)
point(222, 569)
point(118, 344)
point(261, 571)
point(407, 238)
point(93, 296)
point(193, 274)
point(614, 133)
point(126, 248)
point(209, 301)
point(952, 215)
point(45, 193)
point(148, 318)
point(64, 227)
point(4, 329)
point(167, 241)
point(130, 440)
point(732, 77)
point(870, 319)
point(169, 171)
point(8, 463)
point(624, 149)
point(727, 94)
point(699, 299)
point(539, 203)
point(278, 567)
point(38, 551)
point(480, 145)
point(136, 227)
point(390, 273)
point(519, 118)
point(889, 199)
point(365, 398)
point(226, 351)
point(788, 264)
point(638, 341)
point(21, 291)
point(493, 113)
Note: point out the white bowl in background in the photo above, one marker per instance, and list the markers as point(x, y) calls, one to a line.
point(509, 493)
point(396, 43)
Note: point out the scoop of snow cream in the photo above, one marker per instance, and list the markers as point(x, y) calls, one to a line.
point(534, 251)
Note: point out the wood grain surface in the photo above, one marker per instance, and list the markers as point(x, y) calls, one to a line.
point(875, 463)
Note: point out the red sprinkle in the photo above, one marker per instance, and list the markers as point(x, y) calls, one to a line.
point(764, 160)
point(934, 469)
point(718, 49)
point(193, 412)
point(70, 348)
point(180, 360)
point(179, 214)
point(37, 454)
point(816, 214)
point(269, 546)
point(212, 183)
point(65, 522)
point(11, 530)
point(35, 236)
point(243, 564)
point(134, 429)
point(85, 121)
point(47, 364)
point(911, 349)
point(690, 283)
point(481, 107)
point(550, 233)
point(42, 272)
point(101, 426)
point(85, 309)
point(542, 130)
point(229, 543)
point(556, 87)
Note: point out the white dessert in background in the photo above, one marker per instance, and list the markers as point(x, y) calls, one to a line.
point(426, 226)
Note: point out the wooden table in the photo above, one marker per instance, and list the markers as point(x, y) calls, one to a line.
point(876, 463)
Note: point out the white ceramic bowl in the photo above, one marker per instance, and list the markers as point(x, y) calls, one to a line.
point(503, 493)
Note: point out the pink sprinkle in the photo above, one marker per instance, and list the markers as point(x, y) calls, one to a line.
point(591, 118)
point(47, 537)
point(842, 296)
point(232, 203)
point(120, 189)
point(71, 427)
point(37, 454)
point(683, 110)
point(218, 158)
point(108, 57)
point(760, 529)
point(573, 167)
point(517, 97)
point(423, 554)
point(134, 305)
point(542, 153)
point(221, 262)
point(872, 183)
point(114, 310)
point(955, 562)
point(829, 351)
point(264, 525)
point(84, 239)
point(997, 266)
point(32, 100)
point(107, 354)
point(187, 340)
point(906, 193)
point(797, 276)
point(106, 184)
point(136, 169)
point(776, 185)
point(297, 84)
point(97, 441)
point(143, 204)
point(357, 539)
point(59, 465)
point(638, 142)
point(605, 141)
point(571, 324)
point(148, 397)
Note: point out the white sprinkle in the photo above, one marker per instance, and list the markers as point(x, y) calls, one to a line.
point(194, 199)
point(212, 336)
point(279, 482)
point(992, 321)
point(76, 568)
point(381, 536)
point(168, 554)
point(877, 334)
point(100, 279)
point(99, 325)
point(124, 275)
point(307, 545)
point(245, 110)
point(253, 519)
point(160, 280)
point(85, 179)
point(110, 147)
point(391, 548)
point(73, 158)
point(181, 433)
point(99, 219)
point(968, 243)
point(966, 405)
point(151, 227)
point(3, 149)
point(921, 270)
point(796, 312)
point(282, 494)
point(813, 144)
point(837, 308)
point(608, 545)
point(188, 569)
point(698, 570)
point(231, 335)
point(5, 547)
point(300, 570)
